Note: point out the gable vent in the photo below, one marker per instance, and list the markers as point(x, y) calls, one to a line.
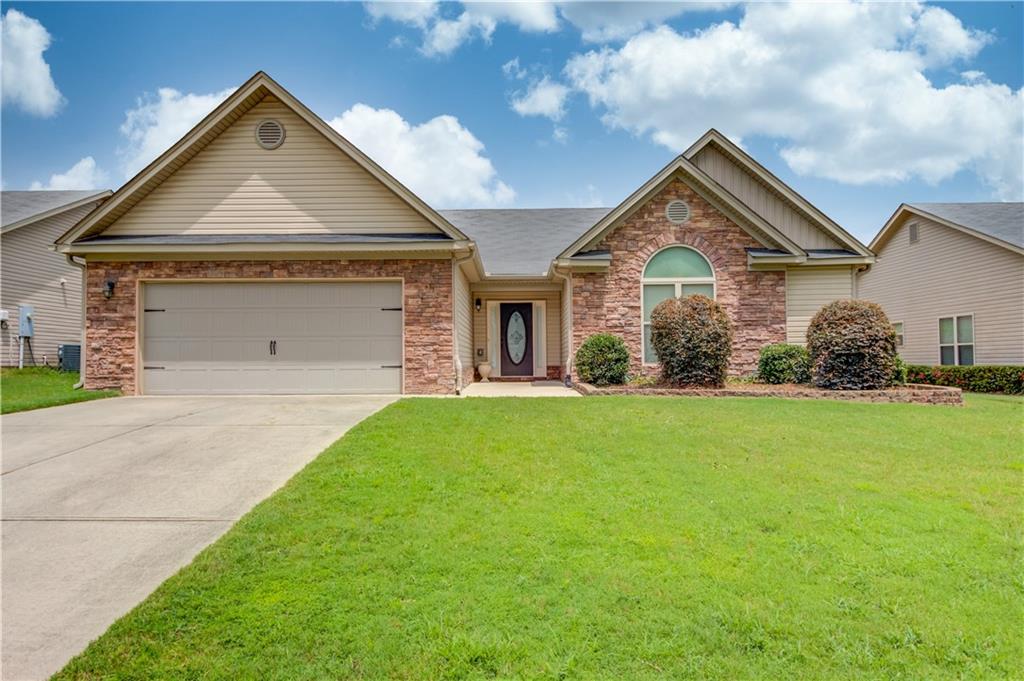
point(677, 212)
point(269, 134)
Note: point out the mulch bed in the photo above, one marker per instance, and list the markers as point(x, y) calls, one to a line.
point(905, 394)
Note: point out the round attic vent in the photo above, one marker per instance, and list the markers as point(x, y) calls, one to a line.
point(677, 212)
point(269, 134)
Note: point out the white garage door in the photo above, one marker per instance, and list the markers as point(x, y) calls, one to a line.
point(280, 338)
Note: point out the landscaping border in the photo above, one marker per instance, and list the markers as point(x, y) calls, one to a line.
point(909, 394)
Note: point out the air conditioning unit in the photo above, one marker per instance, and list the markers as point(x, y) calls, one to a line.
point(69, 357)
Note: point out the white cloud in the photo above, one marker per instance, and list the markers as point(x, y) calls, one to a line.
point(560, 134)
point(610, 21)
point(439, 160)
point(842, 85)
point(544, 98)
point(442, 35)
point(513, 70)
point(158, 122)
point(416, 14)
point(26, 78)
point(83, 175)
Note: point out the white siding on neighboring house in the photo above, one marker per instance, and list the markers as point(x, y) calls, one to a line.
point(753, 192)
point(947, 273)
point(808, 289)
point(31, 275)
point(234, 186)
point(463, 316)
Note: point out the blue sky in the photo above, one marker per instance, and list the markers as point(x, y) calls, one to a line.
point(858, 107)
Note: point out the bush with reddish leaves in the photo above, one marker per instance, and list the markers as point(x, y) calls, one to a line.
point(976, 379)
point(852, 347)
point(692, 337)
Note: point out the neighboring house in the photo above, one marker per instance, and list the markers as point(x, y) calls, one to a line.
point(265, 253)
point(950, 276)
point(34, 274)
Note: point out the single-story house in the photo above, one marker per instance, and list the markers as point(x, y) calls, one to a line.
point(33, 274)
point(264, 253)
point(950, 276)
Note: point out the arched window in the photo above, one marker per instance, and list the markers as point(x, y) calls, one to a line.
point(673, 272)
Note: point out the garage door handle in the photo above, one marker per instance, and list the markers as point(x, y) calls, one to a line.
point(151, 368)
point(154, 309)
point(391, 309)
point(390, 366)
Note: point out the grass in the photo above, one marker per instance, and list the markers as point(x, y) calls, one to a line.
point(38, 387)
point(614, 538)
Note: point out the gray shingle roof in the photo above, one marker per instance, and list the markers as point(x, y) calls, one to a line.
point(1004, 221)
point(16, 206)
point(523, 240)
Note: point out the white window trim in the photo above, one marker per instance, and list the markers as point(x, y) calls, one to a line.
point(540, 358)
point(678, 282)
point(956, 339)
point(902, 332)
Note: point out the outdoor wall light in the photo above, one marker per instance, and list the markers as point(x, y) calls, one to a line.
point(476, 304)
point(108, 289)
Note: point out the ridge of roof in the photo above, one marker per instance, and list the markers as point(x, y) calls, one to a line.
point(20, 208)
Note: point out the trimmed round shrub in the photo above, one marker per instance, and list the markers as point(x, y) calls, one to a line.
point(693, 339)
point(603, 360)
point(852, 346)
point(784, 363)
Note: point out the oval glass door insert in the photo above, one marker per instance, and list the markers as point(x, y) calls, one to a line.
point(515, 337)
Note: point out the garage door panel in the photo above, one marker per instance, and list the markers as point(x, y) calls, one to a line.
point(215, 338)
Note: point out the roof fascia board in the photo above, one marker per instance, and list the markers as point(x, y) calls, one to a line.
point(267, 247)
point(706, 187)
point(804, 206)
point(257, 81)
point(906, 210)
point(24, 222)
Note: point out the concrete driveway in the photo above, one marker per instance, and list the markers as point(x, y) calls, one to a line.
point(103, 501)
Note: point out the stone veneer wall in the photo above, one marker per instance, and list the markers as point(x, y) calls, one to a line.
point(111, 324)
point(610, 301)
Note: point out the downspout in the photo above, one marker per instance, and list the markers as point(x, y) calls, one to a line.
point(81, 355)
point(568, 360)
point(455, 330)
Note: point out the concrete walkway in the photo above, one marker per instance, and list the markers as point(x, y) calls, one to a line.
point(519, 389)
point(104, 500)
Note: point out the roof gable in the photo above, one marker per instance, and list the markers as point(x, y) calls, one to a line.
point(770, 197)
point(706, 187)
point(260, 89)
point(997, 223)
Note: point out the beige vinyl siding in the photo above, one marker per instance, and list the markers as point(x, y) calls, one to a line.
point(808, 289)
point(463, 318)
point(769, 205)
point(234, 186)
point(31, 275)
point(947, 273)
point(552, 331)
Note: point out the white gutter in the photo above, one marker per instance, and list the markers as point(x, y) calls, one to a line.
point(568, 360)
point(81, 354)
point(456, 261)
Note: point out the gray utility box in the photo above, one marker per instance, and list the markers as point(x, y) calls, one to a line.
point(69, 357)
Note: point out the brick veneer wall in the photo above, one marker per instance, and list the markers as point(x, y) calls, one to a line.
point(111, 324)
point(610, 301)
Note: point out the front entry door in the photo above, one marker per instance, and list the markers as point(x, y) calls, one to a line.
point(516, 339)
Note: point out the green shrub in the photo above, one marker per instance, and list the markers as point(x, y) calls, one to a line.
point(603, 360)
point(852, 346)
point(693, 339)
point(975, 379)
point(784, 363)
point(899, 374)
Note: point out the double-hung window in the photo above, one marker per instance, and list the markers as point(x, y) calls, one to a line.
point(672, 272)
point(897, 328)
point(956, 340)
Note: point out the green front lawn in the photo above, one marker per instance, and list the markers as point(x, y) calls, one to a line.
point(615, 538)
point(38, 387)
